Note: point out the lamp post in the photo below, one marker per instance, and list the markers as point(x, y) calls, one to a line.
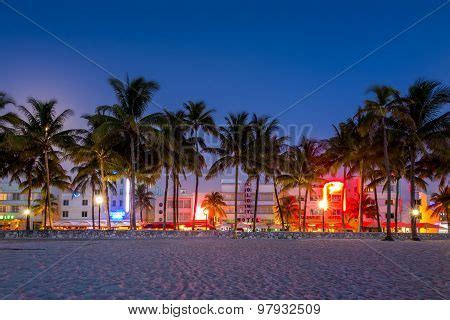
point(205, 211)
point(415, 213)
point(27, 212)
point(99, 201)
point(323, 205)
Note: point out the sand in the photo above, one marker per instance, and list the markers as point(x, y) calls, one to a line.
point(224, 269)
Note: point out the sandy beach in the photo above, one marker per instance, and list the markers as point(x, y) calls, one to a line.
point(224, 269)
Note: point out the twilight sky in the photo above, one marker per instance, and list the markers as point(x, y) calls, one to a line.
point(256, 56)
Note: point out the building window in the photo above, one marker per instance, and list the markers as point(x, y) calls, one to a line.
point(418, 202)
point(84, 214)
point(3, 209)
point(114, 203)
point(121, 192)
point(120, 203)
point(3, 196)
point(335, 198)
point(65, 202)
point(16, 196)
point(336, 212)
point(386, 202)
point(85, 202)
point(15, 209)
point(121, 181)
point(65, 214)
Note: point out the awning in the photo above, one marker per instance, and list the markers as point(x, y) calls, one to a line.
point(427, 225)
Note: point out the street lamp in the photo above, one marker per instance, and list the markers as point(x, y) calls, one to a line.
point(324, 206)
point(27, 212)
point(415, 212)
point(99, 201)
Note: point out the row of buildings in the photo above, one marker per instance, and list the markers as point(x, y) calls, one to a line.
point(330, 206)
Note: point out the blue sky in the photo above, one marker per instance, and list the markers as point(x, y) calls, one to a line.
point(256, 56)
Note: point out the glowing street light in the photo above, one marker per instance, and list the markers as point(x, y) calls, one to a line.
point(323, 204)
point(415, 212)
point(27, 213)
point(99, 201)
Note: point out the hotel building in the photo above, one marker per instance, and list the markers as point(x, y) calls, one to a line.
point(12, 207)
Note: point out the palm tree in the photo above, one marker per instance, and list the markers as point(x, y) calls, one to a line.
point(341, 151)
point(126, 118)
point(45, 206)
point(198, 118)
point(290, 209)
point(45, 130)
point(178, 152)
point(262, 131)
point(359, 152)
point(273, 169)
point(143, 199)
point(4, 101)
point(87, 177)
point(234, 138)
point(303, 168)
point(441, 204)
point(375, 116)
point(214, 204)
point(424, 127)
point(96, 152)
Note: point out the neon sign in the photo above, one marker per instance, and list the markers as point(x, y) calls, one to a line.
point(6, 217)
point(117, 215)
point(329, 188)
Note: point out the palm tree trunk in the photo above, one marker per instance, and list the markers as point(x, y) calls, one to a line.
point(177, 203)
point(344, 200)
point(174, 199)
point(48, 208)
point(388, 178)
point(299, 208)
point(375, 195)
point(278, 201)
point(140, 212)
point(196, 183)
point(361, 193)
point(93, 205)
point(45, 210)
point(165, 199)
point(304, 209)
point(104, 195)
point(107, 205)
point(29, 199)
point(195, 201)
point(397, 190)
point(133, 184)
point(236, 180)
point(323, 220)
point(255, 210)
point(412, 173)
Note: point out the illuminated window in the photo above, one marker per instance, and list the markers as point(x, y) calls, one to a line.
point(3, 196)
point(2, 208)
point(84, 214)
